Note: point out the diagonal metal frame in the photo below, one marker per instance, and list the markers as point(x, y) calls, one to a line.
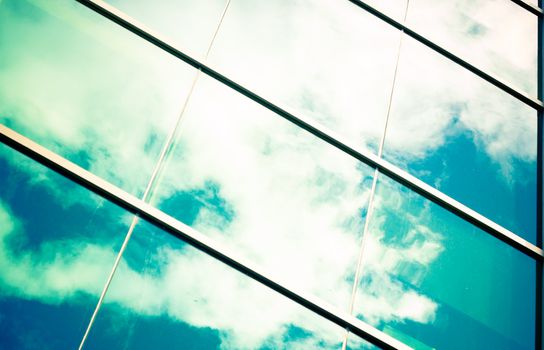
point(324, 134)
point(194, 238)
point(535, 10)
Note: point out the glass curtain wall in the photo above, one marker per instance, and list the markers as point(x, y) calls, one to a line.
point(251, 174)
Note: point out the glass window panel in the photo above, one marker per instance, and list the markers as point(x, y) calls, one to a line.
point(87, 88)
point(499, 37)
point(166, 294)
point(190, 24)
point(429, 277)
point(326, 60)
point(465, 137)
point(58, 243)
point(248, 178)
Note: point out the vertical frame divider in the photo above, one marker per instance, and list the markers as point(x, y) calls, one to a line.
point(539, 180)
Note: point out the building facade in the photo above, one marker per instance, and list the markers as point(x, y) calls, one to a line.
point(246, 174)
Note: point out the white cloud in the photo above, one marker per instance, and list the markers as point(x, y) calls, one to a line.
point(498, 36)
point(435, 100)
point(190, 287)
point(56, 270)
point(96, 94)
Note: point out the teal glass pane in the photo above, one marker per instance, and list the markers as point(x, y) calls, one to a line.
point(434, 281)
point(326, 60)
point(190, 24)
point(58, 243)
point(166, 294)
point(87, 89)
point(260, 185)
point(499, 37)
point(465, 137)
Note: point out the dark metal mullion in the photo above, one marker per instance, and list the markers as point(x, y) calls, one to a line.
point(531, 101)
point(539, 182)
point(530, 7)
point(317, 130)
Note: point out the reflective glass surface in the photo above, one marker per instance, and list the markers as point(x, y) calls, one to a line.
point(276, 195)
point(190, 24)
point(166, 294)
point(499, 37)
point(430, 277)
point(58, 243)
point(87, 89)
point(250, 179)
point(321, 59)
point(465, 137)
